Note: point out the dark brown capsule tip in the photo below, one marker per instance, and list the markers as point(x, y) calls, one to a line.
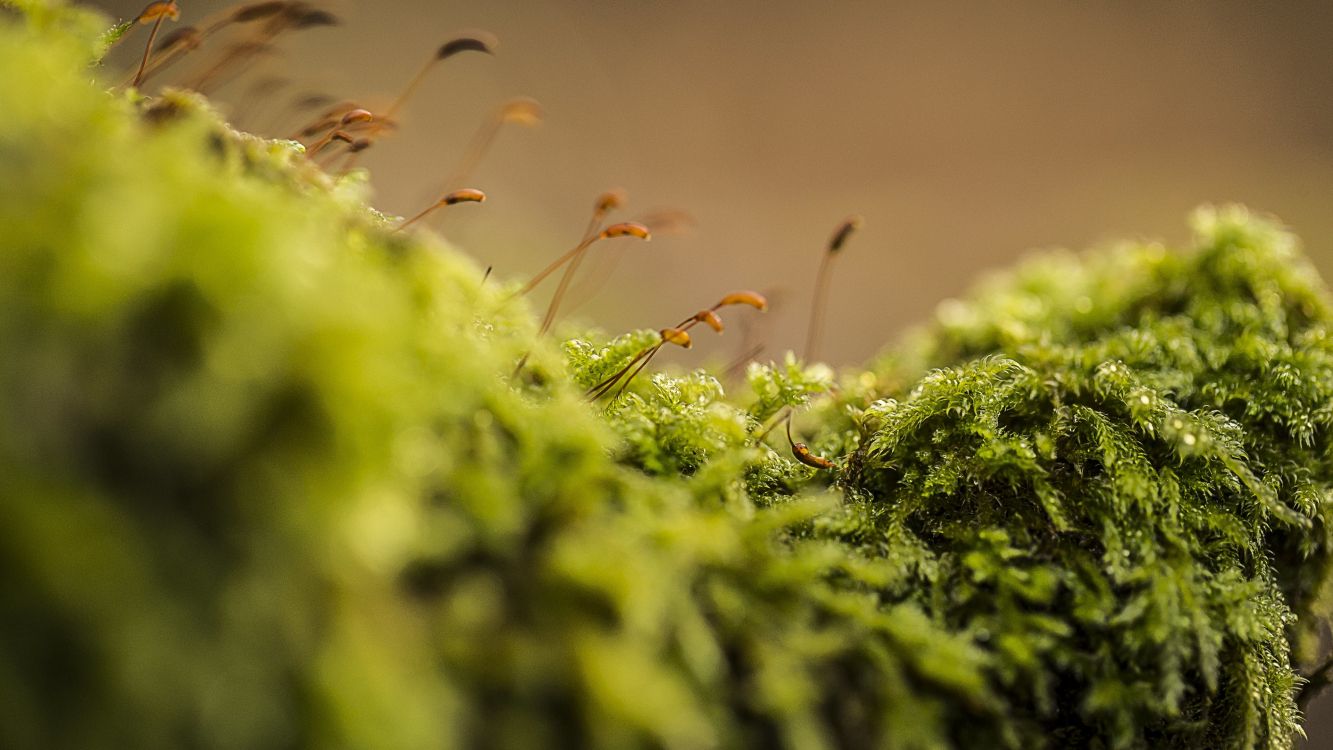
point(845, 229)
point(466, 195)
point(477, 42)
point(359, 145)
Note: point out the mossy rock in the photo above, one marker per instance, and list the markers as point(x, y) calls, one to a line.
point(266, 480)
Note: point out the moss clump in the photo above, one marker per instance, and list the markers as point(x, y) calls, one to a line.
point(1119, 474)
point(265, 481)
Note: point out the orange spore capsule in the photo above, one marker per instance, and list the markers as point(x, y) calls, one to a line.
point(677, 336)
point(610, 201)
point(466, 195)
point(522, 111)
point(627, 229)
point(753, 299)
point(357, 115)
point(709, 318)
point(158, 11)
point(802, 453)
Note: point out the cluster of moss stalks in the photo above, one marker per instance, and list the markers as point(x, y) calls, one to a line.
point(266, 481)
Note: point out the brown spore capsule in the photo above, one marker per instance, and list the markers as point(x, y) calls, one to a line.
point(676, 336)
point(709, 318)
point(802, 452)
point(473, 42)
point(753, 299)
point(466, 195)
point(158, 11)
point(627, 229)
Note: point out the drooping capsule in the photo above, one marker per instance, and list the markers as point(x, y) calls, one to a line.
point(709, 318)
point(479, 41)
point(803, 453)
point(676, 336)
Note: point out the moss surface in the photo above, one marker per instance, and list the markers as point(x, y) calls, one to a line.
point(266, 481)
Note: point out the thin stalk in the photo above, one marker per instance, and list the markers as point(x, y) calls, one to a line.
point(817, 306)
point(542, 274)
point(148, 50)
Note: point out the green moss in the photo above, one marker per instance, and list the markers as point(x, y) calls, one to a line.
point(265, 481)
point(1146, 433)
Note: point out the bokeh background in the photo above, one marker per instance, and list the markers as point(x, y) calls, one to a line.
point(966, 134)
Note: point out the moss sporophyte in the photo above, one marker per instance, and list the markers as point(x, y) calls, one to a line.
point(266, 479)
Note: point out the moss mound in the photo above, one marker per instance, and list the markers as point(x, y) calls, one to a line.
point(266, 481)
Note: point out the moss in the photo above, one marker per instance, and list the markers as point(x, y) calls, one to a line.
point(265, 481)
point(1146, 434)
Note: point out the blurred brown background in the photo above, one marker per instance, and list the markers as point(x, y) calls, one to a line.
point(965, 133)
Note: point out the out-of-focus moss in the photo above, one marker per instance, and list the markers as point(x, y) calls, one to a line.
point(265, 481)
